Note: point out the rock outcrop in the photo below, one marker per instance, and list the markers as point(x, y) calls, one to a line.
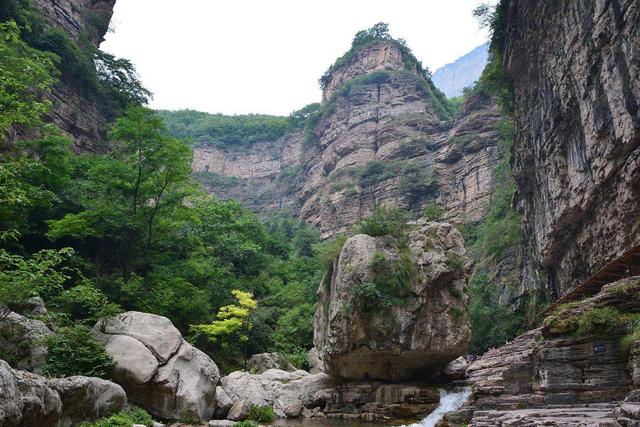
point(369, 324)
point(381, 137)
point(575, 364)
point(21, 339)
point(84, 118)
point(159, 370)
point(259, 363)
point(285, 392)
point(300, 394)
point(27, 399)
point(577, 149)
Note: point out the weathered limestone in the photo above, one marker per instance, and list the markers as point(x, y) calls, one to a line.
point(392, 122)
point(286, 392)
point(577, 145)
point(550, 375)
point(158, 369)
point(20, 338)
point(424, 327)
point(259, 363)
point(27, 399)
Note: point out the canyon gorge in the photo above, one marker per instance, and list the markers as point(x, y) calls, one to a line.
point(429, 224)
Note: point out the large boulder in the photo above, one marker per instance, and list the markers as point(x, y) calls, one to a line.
point(285, 392)
point(391, 309)
point(159, 370)
point(21, 339)
point(259, 363)
point(28, 399)
point(315, 364)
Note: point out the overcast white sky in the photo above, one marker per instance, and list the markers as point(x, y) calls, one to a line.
point(265, 56)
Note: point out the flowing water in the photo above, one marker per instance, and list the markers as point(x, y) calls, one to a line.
point(450, 400)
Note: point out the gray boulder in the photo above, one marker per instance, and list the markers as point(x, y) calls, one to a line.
point(456, 369)
point(159, 370)
point(259, 363)
point(315, 363)
point(368, 325)
point(224, 403)
point(28, 399)
point(285, 392)
point(20, 341)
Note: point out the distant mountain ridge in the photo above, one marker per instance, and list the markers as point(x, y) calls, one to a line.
point(464, 71)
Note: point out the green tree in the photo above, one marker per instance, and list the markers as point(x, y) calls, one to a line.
point(21, 278)
point(26, 74)
point(131, 195)
point(232, 321)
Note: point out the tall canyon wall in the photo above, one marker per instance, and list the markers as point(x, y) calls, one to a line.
point(381, 137)
point(577, 150)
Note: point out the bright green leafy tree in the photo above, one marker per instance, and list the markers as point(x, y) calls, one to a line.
point(232, 320)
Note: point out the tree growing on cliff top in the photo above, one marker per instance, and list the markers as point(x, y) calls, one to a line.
point(233, 321)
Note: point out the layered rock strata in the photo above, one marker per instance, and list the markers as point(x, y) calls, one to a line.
point(367, 327)
point(381, 138)
point(582, 361)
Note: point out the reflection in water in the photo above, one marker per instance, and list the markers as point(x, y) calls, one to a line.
point(449, 401)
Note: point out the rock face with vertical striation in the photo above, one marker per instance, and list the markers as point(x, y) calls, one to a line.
point(383, 136)
point(396, 331)
point(577, 151)
point(84, 118)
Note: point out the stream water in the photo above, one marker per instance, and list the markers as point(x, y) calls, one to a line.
point(450, 400)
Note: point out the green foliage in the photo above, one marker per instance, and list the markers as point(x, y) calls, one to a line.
point(126, 418)
point(384, 221)
point(299, 117)
point(44, 273)
point(594, 321)
point(220, 130)
point(129, 193)
point(377, 33)
point(26, 74)
point(215, 180)
point(299, 357)
point(492, 324)
point(433, 212)
point(86, 302)
point(246, 423)
point(75, 351)
point(261, 414)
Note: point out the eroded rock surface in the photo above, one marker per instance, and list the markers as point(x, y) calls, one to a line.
point(555, 376)
point(28, 399)
point(259, 363)
point(21, 338)
point(286, 392)
point(406, 332)
point(393, 127)
point(577, 147)
point(159, 370)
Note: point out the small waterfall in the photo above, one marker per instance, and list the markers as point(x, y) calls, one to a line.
point(449, 401)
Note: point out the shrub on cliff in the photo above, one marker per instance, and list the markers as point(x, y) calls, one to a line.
point(384, 221)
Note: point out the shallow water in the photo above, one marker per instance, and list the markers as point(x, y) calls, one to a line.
point(450, 400)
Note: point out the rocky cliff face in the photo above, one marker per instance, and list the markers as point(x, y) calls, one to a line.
point(381, 137)
point(577, 152)
point(570, 370)
point(386, 312)
point(77, 115)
